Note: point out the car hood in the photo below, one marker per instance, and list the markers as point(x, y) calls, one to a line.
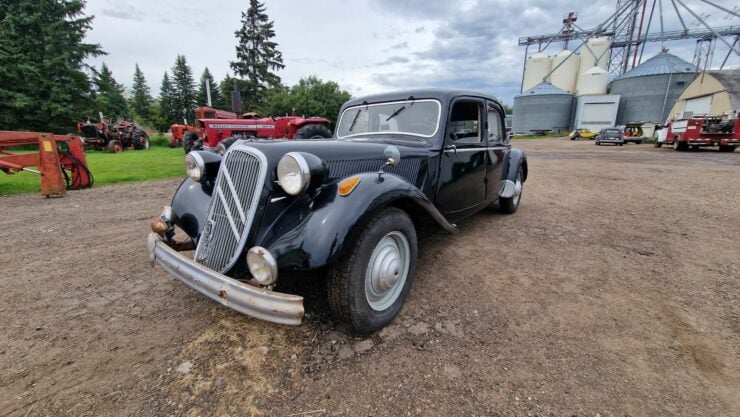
point(345, 157)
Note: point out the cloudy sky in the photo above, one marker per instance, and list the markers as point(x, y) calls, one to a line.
point(367, 46)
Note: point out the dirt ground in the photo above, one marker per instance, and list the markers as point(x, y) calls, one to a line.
point(613, 291)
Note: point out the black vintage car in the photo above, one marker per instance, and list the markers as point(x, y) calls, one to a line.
point(351, 205)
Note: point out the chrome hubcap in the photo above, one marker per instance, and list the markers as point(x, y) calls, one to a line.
point(518, 188)
point(387, 271)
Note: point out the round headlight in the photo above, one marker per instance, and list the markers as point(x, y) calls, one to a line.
point(293, 173)
point(262, 265)
point(195, 166)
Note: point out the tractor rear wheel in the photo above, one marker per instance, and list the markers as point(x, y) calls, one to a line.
point(313, 131)
point(115, 146)
point(188, 140)
point(140, 140)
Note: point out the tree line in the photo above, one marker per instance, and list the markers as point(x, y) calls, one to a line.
point(45, 84)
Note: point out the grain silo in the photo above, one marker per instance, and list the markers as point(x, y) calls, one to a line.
point(535, 69)
point(542, 108)
point(593, 81)
point(564, 77)
point(595, 53)
point(649, 90)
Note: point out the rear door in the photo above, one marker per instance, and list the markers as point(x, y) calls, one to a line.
point(463, 167)
point(498, 144)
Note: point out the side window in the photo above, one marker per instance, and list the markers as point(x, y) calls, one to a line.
point(495, 130)
point(465, 122)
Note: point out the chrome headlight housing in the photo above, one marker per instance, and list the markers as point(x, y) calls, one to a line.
point(293, 173)
point(262, 265)
point(195, 166)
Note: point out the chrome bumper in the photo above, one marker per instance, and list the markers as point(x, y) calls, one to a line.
point(247, 299)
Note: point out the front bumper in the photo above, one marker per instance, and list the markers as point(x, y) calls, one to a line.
point(247, 299)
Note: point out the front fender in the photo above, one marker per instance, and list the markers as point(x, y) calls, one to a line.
point(190, 207)
point(313, 235)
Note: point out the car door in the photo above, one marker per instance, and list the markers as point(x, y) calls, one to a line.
point(462, 176)
point(498, 146)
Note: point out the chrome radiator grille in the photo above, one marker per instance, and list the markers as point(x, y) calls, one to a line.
point(233, 204)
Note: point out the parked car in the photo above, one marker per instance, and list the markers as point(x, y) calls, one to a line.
point(350, 206)
point(612, 135)
point(633, 133)
point(581, 133)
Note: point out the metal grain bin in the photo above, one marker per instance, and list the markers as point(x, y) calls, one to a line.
point(543, 107)
point(649, 91)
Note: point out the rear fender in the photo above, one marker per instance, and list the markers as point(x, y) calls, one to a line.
point(507, 185)
point(314, 234)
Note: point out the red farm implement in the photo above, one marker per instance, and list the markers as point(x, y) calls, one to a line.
point(60, 160)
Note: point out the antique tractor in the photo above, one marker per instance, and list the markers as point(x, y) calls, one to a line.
point(115, 138)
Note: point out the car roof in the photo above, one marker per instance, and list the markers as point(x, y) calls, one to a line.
point(442, 94)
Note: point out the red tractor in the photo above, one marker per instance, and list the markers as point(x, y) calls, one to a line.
point(116, 138)
point(212, 126)
point(701, 132)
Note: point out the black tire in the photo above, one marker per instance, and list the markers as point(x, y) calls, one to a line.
point(727, 148)
point(115, 146)
point(620, 144)
point(347, 290)
point(188, 141)
point(511, 204)
point(658, 144)
point(597, 143)
point(313, 131)
point(140, 140)
point(639, 142)
point(679, 146)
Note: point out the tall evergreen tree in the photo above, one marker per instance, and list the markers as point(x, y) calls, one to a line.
point(42, 52)
point(202, 99)
point(257, 55)
point(109, 95)
point(183, 86)
point(167, 105)
point(142, 98)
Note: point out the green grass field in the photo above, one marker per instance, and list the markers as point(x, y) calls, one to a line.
point(107, 168)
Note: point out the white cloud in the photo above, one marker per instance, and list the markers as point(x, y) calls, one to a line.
point(367, 46)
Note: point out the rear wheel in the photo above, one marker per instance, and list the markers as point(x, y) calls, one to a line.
point(679, 146)
point(115, 146)
point(727, 148)
point(658, 144)
point(367, 288)
point(188, 140)
point(313, 131)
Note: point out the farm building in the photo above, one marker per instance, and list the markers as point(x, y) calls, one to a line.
point(712, 93)
point(648, 91)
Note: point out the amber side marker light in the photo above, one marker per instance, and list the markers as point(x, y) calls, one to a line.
point(347, 186)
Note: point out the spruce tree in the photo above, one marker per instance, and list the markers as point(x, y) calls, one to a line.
point(167, 110)
point(257, 55)
point(202, 99)
point(109, 95)
point(183, 86)
point(42, 51)
point(142, 98)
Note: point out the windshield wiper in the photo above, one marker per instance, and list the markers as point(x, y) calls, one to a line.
point(352, 125)
point(396, 113)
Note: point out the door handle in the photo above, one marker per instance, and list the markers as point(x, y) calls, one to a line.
point(451, 148)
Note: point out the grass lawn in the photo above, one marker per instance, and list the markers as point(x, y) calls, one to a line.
point(108, 168)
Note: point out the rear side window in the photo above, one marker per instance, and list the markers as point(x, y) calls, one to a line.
point(495, 130)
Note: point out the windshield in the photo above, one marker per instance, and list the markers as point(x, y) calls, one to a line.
point(410, 117)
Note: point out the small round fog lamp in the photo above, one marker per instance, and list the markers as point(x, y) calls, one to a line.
point(262, 265)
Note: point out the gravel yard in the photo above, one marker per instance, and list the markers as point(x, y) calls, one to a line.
point(613, 290)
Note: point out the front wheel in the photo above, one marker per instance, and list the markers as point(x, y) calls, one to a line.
point(115, 146)
point(367, 288)
point(727, 148)
point(511, 204)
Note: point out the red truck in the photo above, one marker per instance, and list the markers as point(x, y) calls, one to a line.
point(699, 132)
